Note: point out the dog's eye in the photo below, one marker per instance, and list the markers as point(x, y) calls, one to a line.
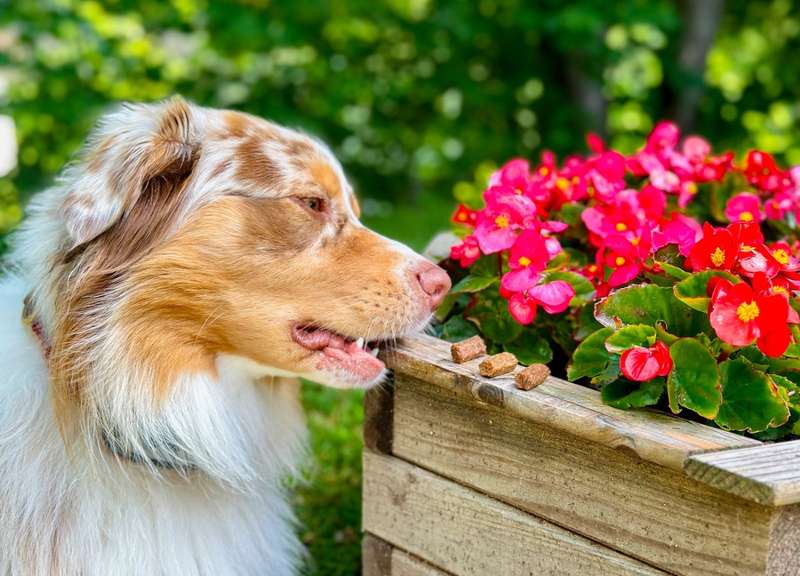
point(314, 204)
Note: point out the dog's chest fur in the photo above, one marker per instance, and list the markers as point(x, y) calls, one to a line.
point(80, 512)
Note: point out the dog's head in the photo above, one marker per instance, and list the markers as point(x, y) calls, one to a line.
point(195, 234)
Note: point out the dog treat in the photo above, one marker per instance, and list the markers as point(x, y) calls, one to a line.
point(468, 349)
point(532, 376)
point(498, 365)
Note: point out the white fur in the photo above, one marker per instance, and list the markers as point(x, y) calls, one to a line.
point(78, 510)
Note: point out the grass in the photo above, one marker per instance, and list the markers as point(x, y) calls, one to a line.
point(329, 506)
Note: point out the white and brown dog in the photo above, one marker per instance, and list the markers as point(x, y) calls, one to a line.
point(177, 280)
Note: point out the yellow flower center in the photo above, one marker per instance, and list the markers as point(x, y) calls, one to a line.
point(781, 256)
point(620, 227)
point(691, 188)
point(544, 170)
point(747, 311)
point(780, 290)
point(518, 191)
point(562, 184)
point(592, 268)
point(635, 241)
point(619, 261)
point(590, 191)
point(746, 216)
point(576, 180)
point(718, 257)
point(501, 221)
point(462, 217)
point(524, 261)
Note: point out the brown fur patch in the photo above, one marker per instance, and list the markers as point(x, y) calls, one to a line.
point(255, 167)
point(326, 177)
point(97, 157)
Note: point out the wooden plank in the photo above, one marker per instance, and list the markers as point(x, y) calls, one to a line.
point(641, 509)
point(466, 533)
point(376, 556)
point(768, 474)
point(656, 437)
point(406, 565)
point(378, 409)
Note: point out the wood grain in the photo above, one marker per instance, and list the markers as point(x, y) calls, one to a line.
point(376, 556)
point(768, 474)
point(641, 509)
point(378, 410)
point(406, 565)
point(565, 406)
point(452, 526)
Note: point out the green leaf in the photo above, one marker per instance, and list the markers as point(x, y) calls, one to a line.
point(472, 283)
point(609, 374)
point(584, 290)
point(491, 315)
point(625, 394)
point(629, 336)
point(649, 304)
point(664, 336)
point(570, 213)
point(531, 347)
point(751, 401)
point(694, 382)
point(458, 328)
point(590, 357)
point(444, 309)
point(692, 290)
point(586, 322)
point(673, 271)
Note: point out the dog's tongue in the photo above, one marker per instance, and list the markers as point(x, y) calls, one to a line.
point(340, 353)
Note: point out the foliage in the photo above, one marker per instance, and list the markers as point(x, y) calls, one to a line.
point(706, 314)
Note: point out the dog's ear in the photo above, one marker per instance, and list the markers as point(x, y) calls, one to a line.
point(138, 149)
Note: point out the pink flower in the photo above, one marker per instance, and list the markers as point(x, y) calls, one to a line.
point(777, 207)
point(498, 224)
point(554, 297)
point(681, 230)
point(467, 252)
point(623, 257)
point(529, 256)
point(744, 207)
point(696, 149)
point(514, 174)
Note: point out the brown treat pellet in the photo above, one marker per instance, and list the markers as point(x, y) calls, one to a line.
point(532, 376)
point(468, 349)
point(498, 365)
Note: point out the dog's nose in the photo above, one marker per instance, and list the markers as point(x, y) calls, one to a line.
point(434, 283)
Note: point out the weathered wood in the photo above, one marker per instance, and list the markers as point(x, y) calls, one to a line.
point(378, 410)
point(469, 533)
point(768, 474)
point(406, 565)
point(639, 508)
point(565, 406)
point(376, 557)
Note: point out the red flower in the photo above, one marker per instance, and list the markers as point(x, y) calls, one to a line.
point(717, 249)
point(739, 316)
point(641, 364)
point(623, 257)
point(762, 171)
point(464, 215)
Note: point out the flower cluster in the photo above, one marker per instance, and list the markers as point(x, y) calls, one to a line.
point(664, 255)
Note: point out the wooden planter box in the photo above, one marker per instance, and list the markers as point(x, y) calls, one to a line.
point(466, 475)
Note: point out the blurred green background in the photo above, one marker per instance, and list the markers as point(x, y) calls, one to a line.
point(415, 97)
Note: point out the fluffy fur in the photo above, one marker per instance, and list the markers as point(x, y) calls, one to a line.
point(168, 267)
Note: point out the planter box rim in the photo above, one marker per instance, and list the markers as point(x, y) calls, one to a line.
point(766, 473)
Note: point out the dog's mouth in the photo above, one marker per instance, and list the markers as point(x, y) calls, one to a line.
point(339, 353)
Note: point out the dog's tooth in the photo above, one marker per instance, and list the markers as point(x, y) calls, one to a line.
point(360, 342)
point(375, 351)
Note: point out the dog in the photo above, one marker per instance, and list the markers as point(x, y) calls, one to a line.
point(162, 299)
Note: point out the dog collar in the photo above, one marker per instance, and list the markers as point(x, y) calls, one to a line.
point(110, 440)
